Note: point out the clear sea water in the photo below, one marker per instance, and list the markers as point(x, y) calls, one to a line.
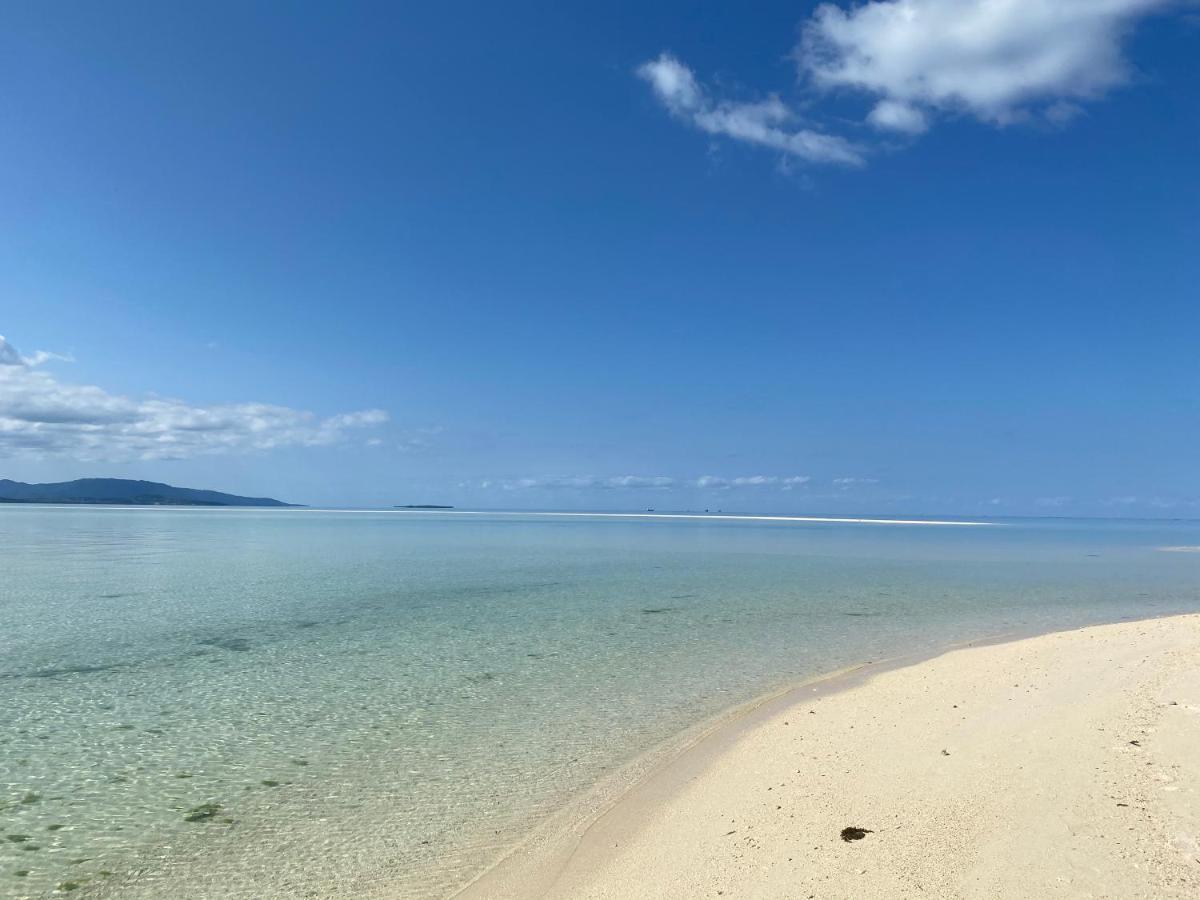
point(296, 703)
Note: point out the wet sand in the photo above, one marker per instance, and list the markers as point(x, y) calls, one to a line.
point(1064, 765)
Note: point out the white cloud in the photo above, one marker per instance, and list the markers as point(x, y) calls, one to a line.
point(768, 123)
point(644, 482)
point(584, 482)
point(1126, 500)
point(998, 60)
point(9, 355)
point(41, 415)
point(891, 115)
point(845, 483)
point(787, 483)
point(639, 481)
point(1052, 502)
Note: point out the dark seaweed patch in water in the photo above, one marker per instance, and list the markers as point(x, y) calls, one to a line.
point(481, 677)
point(496, 590)
point(306, 624)
point(235, 644)
point(202, 813)
point(63, 670)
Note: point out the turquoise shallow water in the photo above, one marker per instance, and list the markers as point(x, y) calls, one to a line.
point(377, 703)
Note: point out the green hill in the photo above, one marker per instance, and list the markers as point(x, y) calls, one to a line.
point(123, 492)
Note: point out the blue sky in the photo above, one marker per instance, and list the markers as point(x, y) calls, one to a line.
point(552, 255)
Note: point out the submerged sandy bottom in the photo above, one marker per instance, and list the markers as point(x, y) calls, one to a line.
point(1065, 765)
point(243, 705)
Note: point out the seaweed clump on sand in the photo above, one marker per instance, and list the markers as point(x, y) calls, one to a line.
point(853, 833)
point(202, 813)
point(233, 644)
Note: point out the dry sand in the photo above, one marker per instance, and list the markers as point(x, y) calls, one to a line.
point(1066, 765)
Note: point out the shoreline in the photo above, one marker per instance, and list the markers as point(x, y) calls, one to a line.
point(402, 511)
point(583, 835)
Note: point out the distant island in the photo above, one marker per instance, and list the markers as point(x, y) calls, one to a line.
point(123, 492)
point(422, 506)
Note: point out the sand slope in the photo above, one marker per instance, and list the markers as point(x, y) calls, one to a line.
point(1066, 765)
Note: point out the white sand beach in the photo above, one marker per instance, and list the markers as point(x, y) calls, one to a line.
point(1065, 765)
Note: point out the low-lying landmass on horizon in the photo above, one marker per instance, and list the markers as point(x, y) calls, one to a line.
point(123, 492)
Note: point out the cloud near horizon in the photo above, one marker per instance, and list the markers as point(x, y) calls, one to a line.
point(584, 482)
point(844, 483)
point(914, 61)
point(41, 415)
point(787, 483)
point(645, 482)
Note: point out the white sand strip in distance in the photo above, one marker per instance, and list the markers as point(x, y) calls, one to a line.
point(728, 517)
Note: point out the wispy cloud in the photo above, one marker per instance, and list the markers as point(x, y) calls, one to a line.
point(1051, 502)
point(642, 482)
point(786, 482)
point(583, 482)
point(846, 483)
point(41, 415)
point(419, 440)
point(1153, 502)
point(916, 61)
point(768, 122)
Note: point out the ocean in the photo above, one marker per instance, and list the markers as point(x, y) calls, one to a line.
point(243, 703)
